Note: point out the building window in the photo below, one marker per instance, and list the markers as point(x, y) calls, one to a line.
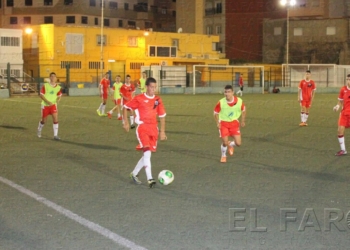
point(174, 13)
point(10, 41)
point(104, 40)
point(47, 2)
point(13, 20)
point(106, 22)
point(113, 5)
point(132, 24)
point(277, 31)
point(74, 43)
point(68, 2)
point(120, 23)
point(28, 2)
point(132, 41)
point(298, 31)
point(163, 11)
point(331, 31)
point(175, 42)
point(72, 64)
point(27, 20)
point(126, 6)
point(9, 3)
point(159, 25)
point(84, 20)
point(96, 65)
point(70, 19)
point(96, 21)
point(218, 8)
point(92, 2)
point(214, 46)
point(209, 30)
point(48, 19)
point(148, 25)
point(218, 29)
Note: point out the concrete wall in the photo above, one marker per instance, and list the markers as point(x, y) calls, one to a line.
point(4, 93)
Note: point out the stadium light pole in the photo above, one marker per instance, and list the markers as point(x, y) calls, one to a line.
point(101, 38)
point(287, 4)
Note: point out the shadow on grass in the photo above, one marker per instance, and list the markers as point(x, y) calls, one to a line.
point(12, 127)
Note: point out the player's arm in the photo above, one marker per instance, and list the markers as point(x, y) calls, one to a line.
point(299, 92)
point(162, 128)
point(338, 106)
point(217, 110)
point(42, 96)
point(244, 113)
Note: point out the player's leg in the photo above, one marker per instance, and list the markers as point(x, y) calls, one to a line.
point(55, 125)
point(342, 123)
point(235, 133)
point(103, 107)
point(241, 90)
point(119, 109)
point(132, 125)
point(306, 114)
point(109, 113)
point(44, 114)
point(99, 110)
point(302, 113)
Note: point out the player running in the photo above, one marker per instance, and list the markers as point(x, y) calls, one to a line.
point(147, 106)
point(117, 98)
point(127, 92)
point(104, 89)
point(306, 94)
point(344, 117)
point(226, 114)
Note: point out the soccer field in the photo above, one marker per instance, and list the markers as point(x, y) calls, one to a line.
point(282, 189)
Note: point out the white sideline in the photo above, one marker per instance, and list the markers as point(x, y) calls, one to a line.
point(84, 222)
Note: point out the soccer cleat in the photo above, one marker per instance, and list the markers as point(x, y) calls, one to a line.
point(223, 159)
point(305, 124)
point(230, 149)
point(120, 118)
point(56, 138)
point(151, 183)
point(302, 124)
point(135, 178)
point(109, 115)
point(103, 114)
point(341, 152)
point(132, 126)
point(98, 112)
point(38, 134)
point(138, 147)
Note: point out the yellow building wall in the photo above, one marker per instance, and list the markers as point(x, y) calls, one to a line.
point(125, 52)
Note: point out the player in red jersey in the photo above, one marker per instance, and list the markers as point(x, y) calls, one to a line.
point(50, 94)
point(226, 114)
point(344, 117)
point(104, 89)
point(306, 94)
point(147, 107)
point(127, 92)
point(241, 85)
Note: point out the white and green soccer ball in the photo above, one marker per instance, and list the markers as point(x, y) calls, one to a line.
point(165, 177)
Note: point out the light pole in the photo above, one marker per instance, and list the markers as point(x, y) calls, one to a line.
point(287, 4)
point(101, 38)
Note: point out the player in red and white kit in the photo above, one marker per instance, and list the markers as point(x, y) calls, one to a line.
point(241, 85)
point(104, 89)
point(127, 92)
point(147, 107)
point(344, 117)
point(306, 94)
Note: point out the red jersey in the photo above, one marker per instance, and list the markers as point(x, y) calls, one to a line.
point(241, 81)
point(344, 95)
point(217, 108)
point(104, 86)
point(147, 108)
point(127, 91)
point(307, 88)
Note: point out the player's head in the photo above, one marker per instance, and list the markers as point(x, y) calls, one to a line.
point(228, 92)
point(144, 74)
point(348, 80)
point(307, 74)
point(151, 86)
point(127, 78)
point(106, 74)
point(117, 78)
point(53, 77)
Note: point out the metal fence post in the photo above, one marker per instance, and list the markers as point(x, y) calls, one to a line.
point(8, 78)
point(67, 78)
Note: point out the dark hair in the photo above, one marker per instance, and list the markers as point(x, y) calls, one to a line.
point(128, 76)
point(348, 75)
point(52, 73)
point(228, 87)
point(308, 71)
point(150, 80)
point(107, 73)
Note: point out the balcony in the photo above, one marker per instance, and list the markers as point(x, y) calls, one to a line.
point(141, 7)
point(213, 11)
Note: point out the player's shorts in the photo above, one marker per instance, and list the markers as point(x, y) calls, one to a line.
point(344, 120)
point(229, 128)
point(104, 96)
point(48, 110)
point(147, 134)
point(117, 101)
point(305, 104)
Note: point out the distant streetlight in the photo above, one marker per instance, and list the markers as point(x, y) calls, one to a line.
point(287, 4)
point(28, 31)
point(101, 38)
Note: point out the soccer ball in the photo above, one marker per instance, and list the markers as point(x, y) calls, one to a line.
point(165, 177)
